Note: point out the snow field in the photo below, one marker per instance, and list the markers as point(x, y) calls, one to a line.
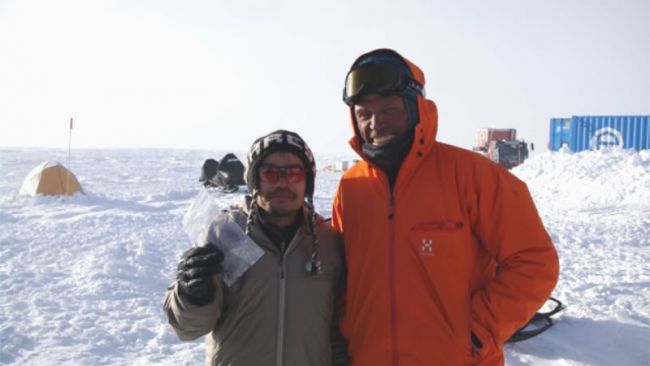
point(82, 279)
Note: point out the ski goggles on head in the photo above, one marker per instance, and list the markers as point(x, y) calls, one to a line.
point(291, 173)
point(379, 78)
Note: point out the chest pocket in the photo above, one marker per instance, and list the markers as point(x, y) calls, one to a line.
point(440, 248)
point(439, 244)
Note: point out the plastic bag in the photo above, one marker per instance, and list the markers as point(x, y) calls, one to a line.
point(205, 223)
point(240, 252)
point(198, 217)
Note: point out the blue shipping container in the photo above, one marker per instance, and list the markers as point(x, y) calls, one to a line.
point(580, 133)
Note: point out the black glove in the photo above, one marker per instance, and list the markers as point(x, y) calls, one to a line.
point(195, 271)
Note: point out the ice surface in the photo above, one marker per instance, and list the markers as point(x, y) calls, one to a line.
point(82, 279)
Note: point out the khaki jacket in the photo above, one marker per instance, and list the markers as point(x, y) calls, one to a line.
point(276, 313)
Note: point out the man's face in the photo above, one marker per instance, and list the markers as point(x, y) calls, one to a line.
point(282, 185)
point(380, 118)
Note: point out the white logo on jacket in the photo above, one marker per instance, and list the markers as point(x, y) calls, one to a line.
point(427, 247)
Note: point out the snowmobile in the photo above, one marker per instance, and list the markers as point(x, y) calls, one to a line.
point(226, 175)
point(538, 324)
point(208, 171)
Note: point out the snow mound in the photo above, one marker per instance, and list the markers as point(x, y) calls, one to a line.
point(588, 179)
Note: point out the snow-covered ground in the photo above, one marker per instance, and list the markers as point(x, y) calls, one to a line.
point(82, 279)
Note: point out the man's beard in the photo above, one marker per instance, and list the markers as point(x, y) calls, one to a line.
point(279, 210)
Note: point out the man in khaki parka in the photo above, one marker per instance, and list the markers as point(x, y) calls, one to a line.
point(281, 311)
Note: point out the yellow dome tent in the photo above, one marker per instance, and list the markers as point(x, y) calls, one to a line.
point(50, 179)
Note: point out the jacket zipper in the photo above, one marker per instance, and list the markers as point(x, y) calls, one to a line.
point(392, 280)
point(279, 359)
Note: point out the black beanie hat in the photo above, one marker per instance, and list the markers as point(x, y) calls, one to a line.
point(276, 141)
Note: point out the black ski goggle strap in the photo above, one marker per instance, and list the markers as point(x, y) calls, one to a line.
point(378, 79)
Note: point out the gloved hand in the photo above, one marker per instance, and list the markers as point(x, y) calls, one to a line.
point(195, 271)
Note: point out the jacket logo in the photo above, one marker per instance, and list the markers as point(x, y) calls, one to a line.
point(426, 247)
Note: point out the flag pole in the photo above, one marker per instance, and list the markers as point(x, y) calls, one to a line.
point(67, 180)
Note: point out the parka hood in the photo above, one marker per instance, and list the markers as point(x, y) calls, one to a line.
point(427, 128)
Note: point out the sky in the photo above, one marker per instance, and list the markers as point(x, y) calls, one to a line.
point(217, 74)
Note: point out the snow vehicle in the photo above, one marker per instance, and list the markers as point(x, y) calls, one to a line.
point(538, 324)
point(226, 175)
point(230, 174)
point(208, 171)
point(501, 146)
point(508, 153)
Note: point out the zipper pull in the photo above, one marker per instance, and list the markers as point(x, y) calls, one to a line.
point(282, 246)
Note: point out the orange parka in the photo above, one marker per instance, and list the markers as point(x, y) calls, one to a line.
point(457, 247)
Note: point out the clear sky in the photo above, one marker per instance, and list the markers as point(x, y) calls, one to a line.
point(216, 74)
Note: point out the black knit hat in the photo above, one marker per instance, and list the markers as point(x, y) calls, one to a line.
point(276, 141)
point(284, 141)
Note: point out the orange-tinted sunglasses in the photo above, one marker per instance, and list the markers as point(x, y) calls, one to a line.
point(291, 173)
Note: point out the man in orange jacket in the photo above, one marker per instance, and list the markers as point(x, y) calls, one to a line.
point(447, 256)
